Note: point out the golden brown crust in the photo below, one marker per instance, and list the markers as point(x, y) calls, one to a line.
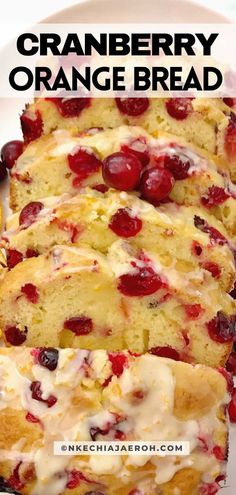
point(187, 403)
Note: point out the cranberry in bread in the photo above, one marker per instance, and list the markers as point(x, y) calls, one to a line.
point(163, 169)
point(50, 394)
point(186, 237)
point(207, 123)
point(125, 299)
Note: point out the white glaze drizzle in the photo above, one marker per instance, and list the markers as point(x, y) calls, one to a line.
point(151, 419)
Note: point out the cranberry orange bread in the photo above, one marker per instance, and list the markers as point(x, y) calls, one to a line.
point(62, 162)
point(77, 395)
point(98, 219)
point(127, 299)
point(208, 123)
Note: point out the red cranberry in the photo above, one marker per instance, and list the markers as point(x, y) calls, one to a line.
point(95, 431)
point(231, 363)
point(73, 230)
point(3, 172)
point(31, 253)
point(48, 358)
point(215, 236)
point(209, 489)
point(196, 248)
point(134, 354)
point(166, 352)
point(219, 453)
point(118, 361)
point(32, 125)
point(220, 478)
point(107, 381)
point(70, 107)
point(14, 480)
point(193, 311)
point(24, 178)
point(83, 162)
point(29, 213)
point(31, 292)
point(233, 291)
point(13, 258)
point(35, 388)
point(212, 267)
point(215, 196)
point(230, 136)
point(15, 336)
point(179, 108)
point(10, 152)
point(222, 328)
point(5, 487)
point(102, 188)
point(74, 479)
point(200, 224)
point(232, 407)
point(122, 171)
point(138, 395)
point(31, 418)
point(144, 281)
point(132, 106)
point(80, 325)
point(120, 435)
point(178, 164)
point(230, 102)
point(125, 224)
point(35, 353)
point(138, 147)
point(156, 184)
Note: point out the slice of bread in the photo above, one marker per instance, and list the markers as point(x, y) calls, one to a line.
point(97, 220)
point(208, 123)
point(77, 297)
point(52, 395)
point(44, 169)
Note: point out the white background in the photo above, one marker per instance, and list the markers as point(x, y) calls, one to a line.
point(34, 10)
point(31, 11)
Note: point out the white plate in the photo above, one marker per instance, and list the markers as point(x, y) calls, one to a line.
point(141, 11)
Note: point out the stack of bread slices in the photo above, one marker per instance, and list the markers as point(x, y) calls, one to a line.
point(115, 304)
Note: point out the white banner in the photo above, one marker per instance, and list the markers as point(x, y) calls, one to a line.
point(122, 448)
point(107, 60)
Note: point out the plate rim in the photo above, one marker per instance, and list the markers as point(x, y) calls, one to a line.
point(194, 3)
